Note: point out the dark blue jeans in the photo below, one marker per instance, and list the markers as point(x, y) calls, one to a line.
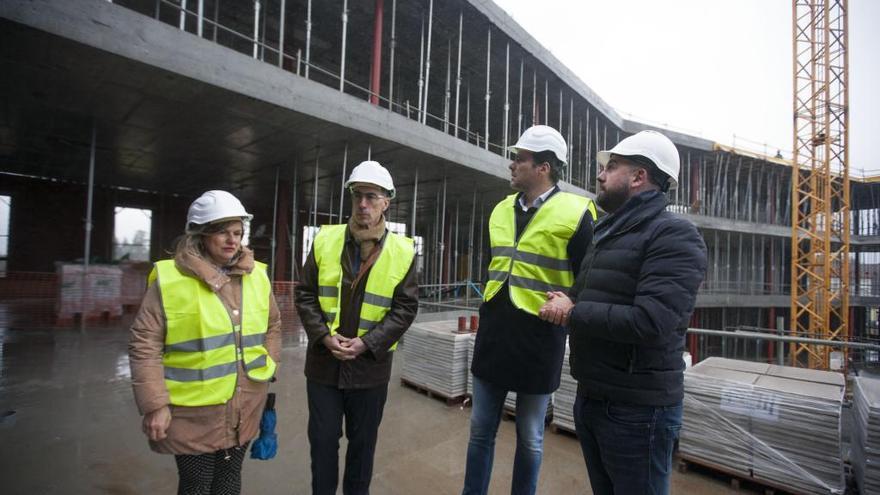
point(627, 448)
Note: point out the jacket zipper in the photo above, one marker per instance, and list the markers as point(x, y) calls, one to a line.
point(632, 347)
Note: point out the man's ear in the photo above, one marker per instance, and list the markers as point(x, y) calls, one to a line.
point(640, 177)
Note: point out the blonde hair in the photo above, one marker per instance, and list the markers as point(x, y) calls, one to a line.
point(190, 243)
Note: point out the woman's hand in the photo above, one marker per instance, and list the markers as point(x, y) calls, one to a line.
point(156, 423)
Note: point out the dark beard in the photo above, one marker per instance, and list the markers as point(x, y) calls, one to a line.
point(610, 200)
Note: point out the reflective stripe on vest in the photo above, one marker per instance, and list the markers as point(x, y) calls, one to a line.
point(386, 274)
point(537, 262)
point(200, 358)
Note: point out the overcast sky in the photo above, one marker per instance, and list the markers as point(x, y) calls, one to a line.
point(711, 68)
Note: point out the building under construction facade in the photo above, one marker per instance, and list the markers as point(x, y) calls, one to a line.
point(145, 104)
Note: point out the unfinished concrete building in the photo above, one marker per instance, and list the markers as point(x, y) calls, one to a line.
point(145, 104)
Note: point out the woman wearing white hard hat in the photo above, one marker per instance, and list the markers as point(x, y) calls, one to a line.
point(204, 346)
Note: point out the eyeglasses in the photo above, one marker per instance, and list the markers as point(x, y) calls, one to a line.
point(370, 196)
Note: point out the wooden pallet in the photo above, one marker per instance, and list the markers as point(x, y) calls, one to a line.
point(561, 430)
point(450, 400)
point(736, 479)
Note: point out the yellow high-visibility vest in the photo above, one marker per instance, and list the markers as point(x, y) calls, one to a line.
point(386, 274)
point(537, 262)
point(201, 357)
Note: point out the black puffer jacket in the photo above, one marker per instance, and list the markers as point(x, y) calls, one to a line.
point(634, 295)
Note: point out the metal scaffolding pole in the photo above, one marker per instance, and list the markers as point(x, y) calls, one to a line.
point(308, 38)
point(414, 204)
point(534, 97)
point(570, 137)
point(506, 100)
point(447, 94)
point(560, 111)
point(294, 206)
point(183, 15)
point(344, 35)
point(546, 102)
point(454, 278)
point(428, 61)
point(440, 272)
point(274, 240)
point(436, 241)
point(314, 222)
point(256, 28)
point(342, 186)
point(480, 250)
point(421, 68)
point(519, 104)
point(201, 18)
point(87, 249)
point(391, 57)
point(216, 17)
point(589, 154)
point(488, 94)
point(467, 117)
point(470, 251)
point(458, 74)
point(281, 20)
point(263, 37)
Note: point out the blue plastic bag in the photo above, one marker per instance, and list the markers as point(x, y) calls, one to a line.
point(266, 445)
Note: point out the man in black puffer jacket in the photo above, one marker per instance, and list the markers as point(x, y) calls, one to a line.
point(634, 295)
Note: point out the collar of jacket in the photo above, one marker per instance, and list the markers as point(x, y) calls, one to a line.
point(518, 198)
point(207, 272)
point(636, 210)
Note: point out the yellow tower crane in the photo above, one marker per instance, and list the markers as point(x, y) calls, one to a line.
point(820, 180)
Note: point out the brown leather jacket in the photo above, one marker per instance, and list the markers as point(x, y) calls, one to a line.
point(196, 430)
point(373, 367)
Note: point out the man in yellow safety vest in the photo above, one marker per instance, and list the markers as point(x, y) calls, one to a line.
point(538, 238)
point(358, 294)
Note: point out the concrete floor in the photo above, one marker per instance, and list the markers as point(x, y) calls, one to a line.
point(75, 429)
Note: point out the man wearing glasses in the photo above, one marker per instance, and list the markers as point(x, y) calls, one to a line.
point(538, 237)
point(357, 295)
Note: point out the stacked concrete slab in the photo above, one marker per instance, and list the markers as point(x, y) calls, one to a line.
point(866, 434)
point(775, 424)
point(435, 357)
point(563, 398)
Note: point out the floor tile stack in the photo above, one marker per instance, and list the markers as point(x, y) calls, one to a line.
point(435, 357)
point(775, 424)
point(866, 433)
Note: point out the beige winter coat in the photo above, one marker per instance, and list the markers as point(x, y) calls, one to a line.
point(196, 430)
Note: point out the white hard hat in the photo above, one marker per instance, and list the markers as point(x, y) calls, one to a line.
point(542, 138)
point(651, 145)
point(215, 205)
point(372, 172)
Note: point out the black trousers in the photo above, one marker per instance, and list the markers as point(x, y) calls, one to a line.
point(215, 473)
point(361, 409)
